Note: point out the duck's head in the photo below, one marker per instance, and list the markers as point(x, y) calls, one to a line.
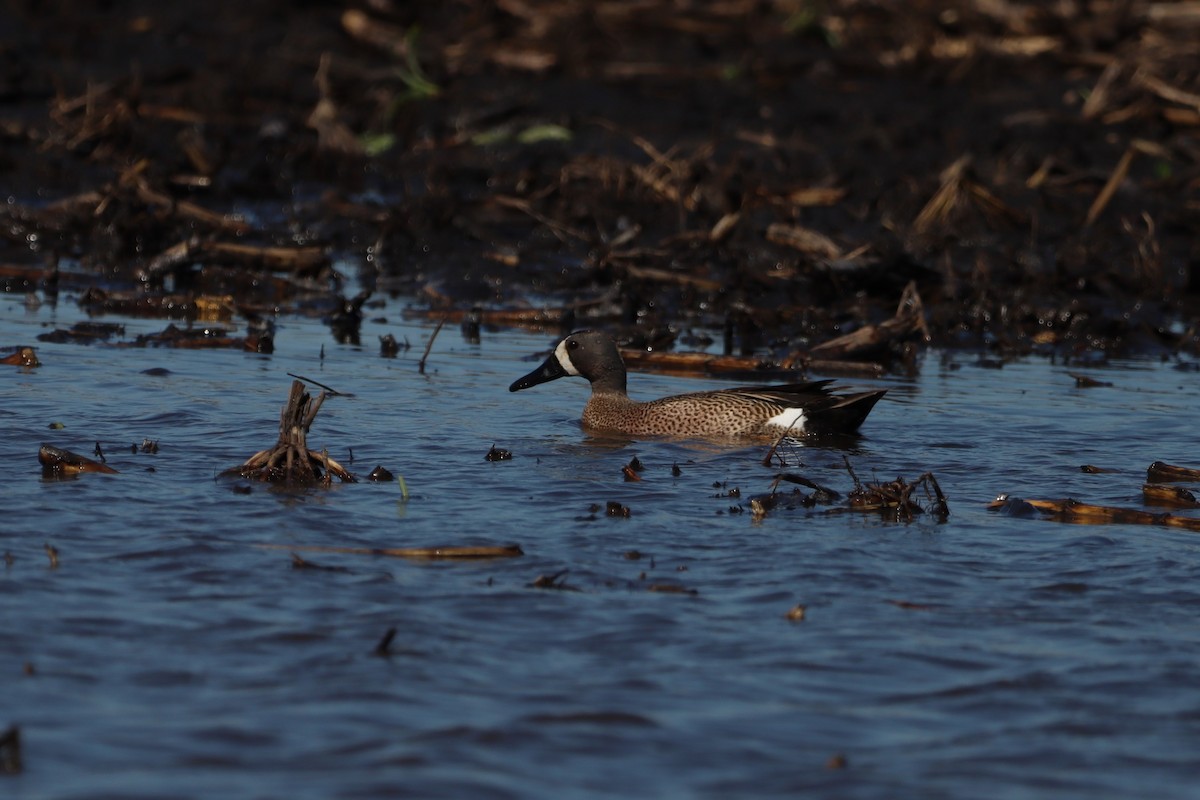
point(586, 354)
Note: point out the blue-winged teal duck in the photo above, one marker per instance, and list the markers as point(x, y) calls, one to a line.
point(744, 411)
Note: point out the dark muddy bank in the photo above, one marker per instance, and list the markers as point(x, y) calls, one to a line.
point(779, 171)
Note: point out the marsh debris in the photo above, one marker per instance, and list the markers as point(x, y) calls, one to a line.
point(429, 345)
point(448, 552)
point(874, 341)
point(303, 563)
point(389, 347)
point(290, 462)
point(671, 588)
point(345, 321)
point(1020, 232)
point(208, 337)
point(1074, 511)
point(470, 327)
point(821, 494)
point(909, 605)
point(1010, 506)
point(614, 509)
point(1158, 472)
point(557, 580)
point(87, 332)
point(59, 463)
point(497, 454)
point(894, 499)
point(201, 337)
point(11, 761)
point(761, 505)
point(1155, 492)
point(380, 475)
point(22, 356)
point(383, 647)
point(1086, 381)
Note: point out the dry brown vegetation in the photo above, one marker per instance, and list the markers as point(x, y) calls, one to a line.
point(779, 171)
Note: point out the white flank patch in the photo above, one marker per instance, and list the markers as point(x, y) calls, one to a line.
point(564, 360)
point(788, 418)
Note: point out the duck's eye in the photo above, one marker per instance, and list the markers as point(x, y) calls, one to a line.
point(572, 344)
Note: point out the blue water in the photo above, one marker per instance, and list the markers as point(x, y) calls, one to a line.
point(172, 654)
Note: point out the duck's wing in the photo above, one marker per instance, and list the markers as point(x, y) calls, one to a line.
point(787, 395)
point(824, 411)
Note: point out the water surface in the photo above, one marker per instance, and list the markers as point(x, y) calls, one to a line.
point(172, 654)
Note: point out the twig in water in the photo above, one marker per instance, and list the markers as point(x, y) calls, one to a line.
point(328, 389)
point(429, 345)
point(381, 649)
point(766, 462)
point(941, 508)
point(850, 469)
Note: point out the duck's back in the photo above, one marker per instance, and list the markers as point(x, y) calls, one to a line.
point(731, 413)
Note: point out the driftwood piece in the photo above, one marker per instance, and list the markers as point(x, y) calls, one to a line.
point(290, 461)
point(59, 463)
point(806, 240)
point(190, 211)
point(869, 340)
point(1158, 472)
point(303, 260)
point(1068, 510)
point(424, 553)
point(1157, 494)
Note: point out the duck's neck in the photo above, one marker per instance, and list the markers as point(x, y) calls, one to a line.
point(610, 382)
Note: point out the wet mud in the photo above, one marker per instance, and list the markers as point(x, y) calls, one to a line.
point(779, 174)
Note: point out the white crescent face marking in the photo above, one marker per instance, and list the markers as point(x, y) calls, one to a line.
point(564, 360)
point(788, 418)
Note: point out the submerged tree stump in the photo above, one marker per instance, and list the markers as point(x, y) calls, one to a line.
point(290, 461)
